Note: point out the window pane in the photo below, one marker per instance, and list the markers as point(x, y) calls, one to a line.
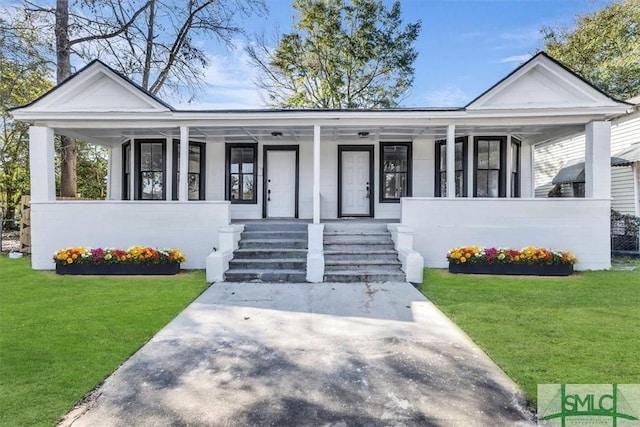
point(493, 182)
point(443, 184)
point(156, 157)
point(515, 155)
point(194, 186)
point(247, 160)
point(145, 157)
point(194, 159)
point(234, 192)
point(395, 185)
point(236, 158)
point(483, 154)
point(494, 154)
point(127, 159)
point(247, 187)
point(151, 186)
point(459, 184)
point(443, 157)
point(481, 182)
point(514, 182)
point(459, 156)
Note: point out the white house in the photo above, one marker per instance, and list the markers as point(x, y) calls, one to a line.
point(176, 178)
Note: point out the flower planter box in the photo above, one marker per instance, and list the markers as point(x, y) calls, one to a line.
point(119, 269)
point(513, 269)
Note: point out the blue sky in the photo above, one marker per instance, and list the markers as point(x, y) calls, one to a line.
point(465, 46)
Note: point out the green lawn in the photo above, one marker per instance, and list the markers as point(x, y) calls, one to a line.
point(60, 336)
point(579, 329)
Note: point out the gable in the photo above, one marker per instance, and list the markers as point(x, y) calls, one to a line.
point(97, 88)
point(542, 83)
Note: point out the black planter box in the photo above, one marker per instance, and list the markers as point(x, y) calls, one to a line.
point(119, 269)
point(513, 269)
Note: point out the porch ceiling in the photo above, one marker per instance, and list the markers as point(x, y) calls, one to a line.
point(110, 137)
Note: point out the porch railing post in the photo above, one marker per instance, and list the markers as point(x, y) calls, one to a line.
point(183, 184)
point(316, 174)
point(597, 160)
point(451, 160)
point(42, 165)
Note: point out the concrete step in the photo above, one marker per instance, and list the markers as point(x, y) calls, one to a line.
point(364, 276)
point(276, 226)
point(362, 265)
point(258, 275)
point(274, 235)
point(361, 239)
point(270, 253)
point(268, 263)
point(277, 244)
point(366, 253)
point(354, 227)
point(358, 246)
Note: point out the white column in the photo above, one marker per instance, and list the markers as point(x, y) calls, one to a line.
point(509, 167)
point(316, 174)
point(451, 161)
point(133, 172)
point(110, 173)
point(527, 184)
point(42, 165)
point(183, 187)
point(597, 160)
point(168, 180)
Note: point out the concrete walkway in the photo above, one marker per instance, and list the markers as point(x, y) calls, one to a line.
point(307, 355)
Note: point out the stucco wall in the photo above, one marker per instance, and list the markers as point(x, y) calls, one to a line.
point(577, 225)
point(191, 227)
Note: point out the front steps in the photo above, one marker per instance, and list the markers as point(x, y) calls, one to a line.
point(360, 252)
point(270, 252)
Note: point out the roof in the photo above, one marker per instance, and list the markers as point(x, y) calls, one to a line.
point(575, 171)
point(542, 82)
point(632, 154)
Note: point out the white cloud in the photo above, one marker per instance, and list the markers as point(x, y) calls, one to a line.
point(229, 80)
point(449, 96)
point(515, 58)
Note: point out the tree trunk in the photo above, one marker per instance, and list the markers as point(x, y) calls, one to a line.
point(68, 184)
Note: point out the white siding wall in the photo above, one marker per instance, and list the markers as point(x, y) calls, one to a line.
point(623, 197)
point(191, 227)
point(577, 225)
point(423, 167)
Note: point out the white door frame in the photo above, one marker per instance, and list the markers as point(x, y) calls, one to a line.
point(347, 148)
point(265, 174)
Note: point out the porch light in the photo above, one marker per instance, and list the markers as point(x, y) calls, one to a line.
point(276, 134)
point(363, 134)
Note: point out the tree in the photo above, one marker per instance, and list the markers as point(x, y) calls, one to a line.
point(24, 77)
point(342, 54)
point(603, 47)
point(151, 41)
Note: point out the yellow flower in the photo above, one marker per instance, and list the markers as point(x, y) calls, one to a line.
point(69, 261)
point(463, 259)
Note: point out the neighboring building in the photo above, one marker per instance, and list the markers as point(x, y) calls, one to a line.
point(554, 161)
point(178, 178)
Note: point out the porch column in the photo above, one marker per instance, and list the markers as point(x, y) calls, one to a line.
point(316, 174)
point(110, 174)
point(451, 161)
point(597, 160)
point(41, 163)
point(183, 183)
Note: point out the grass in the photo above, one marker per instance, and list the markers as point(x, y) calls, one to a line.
point(580, 329)
point(60, 336)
